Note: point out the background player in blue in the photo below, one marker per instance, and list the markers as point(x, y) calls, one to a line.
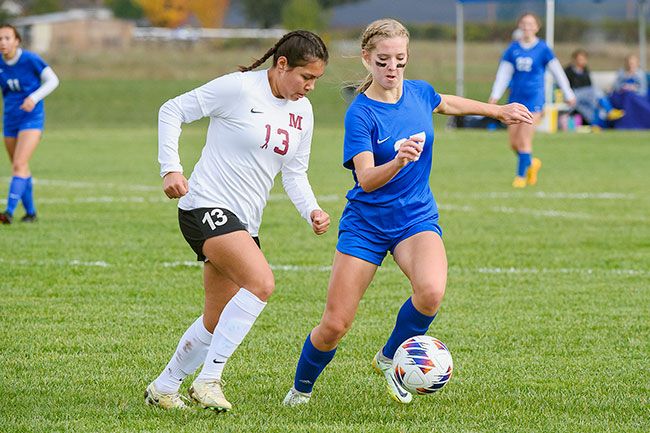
point(522, 69)
point(389, 147)
point(25, 80)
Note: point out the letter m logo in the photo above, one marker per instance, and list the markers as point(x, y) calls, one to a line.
point(295, 121)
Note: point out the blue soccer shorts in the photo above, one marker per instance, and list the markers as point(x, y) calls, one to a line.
point(360, 240)
point(18, 120)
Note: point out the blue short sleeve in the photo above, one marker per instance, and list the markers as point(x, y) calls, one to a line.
point(508, 55)
point(547, 55)
point(358, 135)
point(37, 63)
point(434, 97)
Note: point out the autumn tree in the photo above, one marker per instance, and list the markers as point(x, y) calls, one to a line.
point(210, 13)
point(165, 13)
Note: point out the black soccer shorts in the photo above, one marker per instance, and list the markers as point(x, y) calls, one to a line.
point(201, 224)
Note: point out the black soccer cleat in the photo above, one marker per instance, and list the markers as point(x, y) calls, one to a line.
point(28, 218)
point(6, 218)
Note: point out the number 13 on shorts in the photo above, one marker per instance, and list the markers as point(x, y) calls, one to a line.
point(214, 218)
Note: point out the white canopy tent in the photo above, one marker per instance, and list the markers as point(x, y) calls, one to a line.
point(550, 36)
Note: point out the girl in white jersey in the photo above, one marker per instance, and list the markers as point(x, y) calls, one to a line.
point(260, 124)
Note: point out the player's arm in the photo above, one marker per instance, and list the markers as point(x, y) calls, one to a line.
point(215, 98)
point(298, 188)
point(562, 80)
point(172, 114)
point(458, 106)
point(371, 177)
point(49, 82)
point(502, 80)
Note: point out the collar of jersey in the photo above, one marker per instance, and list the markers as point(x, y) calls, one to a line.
point(387, 104)
point(13, 61)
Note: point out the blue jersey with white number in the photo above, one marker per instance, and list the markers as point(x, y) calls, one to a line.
point(20, 80)
point(527, 84)
point(380, 128)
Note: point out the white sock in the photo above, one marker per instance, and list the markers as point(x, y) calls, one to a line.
point(236, 320)
point(189, 355)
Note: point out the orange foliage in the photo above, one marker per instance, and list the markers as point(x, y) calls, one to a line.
point(210, 13)
point(165, 13)
point(173, 13)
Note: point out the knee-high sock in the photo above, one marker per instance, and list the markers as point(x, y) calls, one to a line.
point(410, 322)
point(524, 163)
point(28, 198)
point(189, 355)
point(310, 365)
point(235, 322)
point(16, 189)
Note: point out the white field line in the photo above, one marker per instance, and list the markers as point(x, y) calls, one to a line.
point(543, 195)
point(71, 263)
point(316, 268)
point(548, 213)
point(333, 197)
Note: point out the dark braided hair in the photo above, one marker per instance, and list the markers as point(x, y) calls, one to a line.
point(299, 47)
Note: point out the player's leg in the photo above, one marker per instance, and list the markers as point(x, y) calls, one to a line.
point(348, 282)
point(422, 258)
point(534, 164)
point(23, 149)
point(237, 257)
point(517, 137)
point(10, 146)
point(193, 345)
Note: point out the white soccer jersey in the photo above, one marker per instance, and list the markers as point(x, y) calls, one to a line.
point(252, 136)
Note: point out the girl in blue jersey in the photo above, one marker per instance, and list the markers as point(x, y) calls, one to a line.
point(25, 80)
point(388, 146)
point(522, 69)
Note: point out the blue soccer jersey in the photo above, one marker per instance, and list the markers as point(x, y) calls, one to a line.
point(380, 128)
point(20, 80)
point(527, 84)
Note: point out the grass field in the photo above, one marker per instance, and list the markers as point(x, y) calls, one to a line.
point(546, 312)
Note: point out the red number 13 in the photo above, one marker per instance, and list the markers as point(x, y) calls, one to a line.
point(285, 143)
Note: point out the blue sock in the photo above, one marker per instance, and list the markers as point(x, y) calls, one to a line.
point(524, 163)
point(410, 322)
point(310, 365)
point(604, 102)
point(16, 189)
point(28, 198)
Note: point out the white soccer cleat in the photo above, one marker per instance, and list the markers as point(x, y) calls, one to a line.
point(296, 398)
point(209, 395)
point(384, 365)
point(165, 401)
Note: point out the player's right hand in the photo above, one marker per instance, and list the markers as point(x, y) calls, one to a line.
point(409, 151)
point(175, 185)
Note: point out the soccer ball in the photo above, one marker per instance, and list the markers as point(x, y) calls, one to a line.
point(422, 364)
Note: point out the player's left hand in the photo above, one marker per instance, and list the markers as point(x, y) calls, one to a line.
point(514, 113)
point(320, 221)
point(571, 102)
point(28, 104)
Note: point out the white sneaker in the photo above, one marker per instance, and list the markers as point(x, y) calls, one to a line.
point(296, 398)
point(166, 401)
point(208, 395)
point(384, 365)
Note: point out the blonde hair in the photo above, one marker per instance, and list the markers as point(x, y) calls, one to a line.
point(384, 28)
